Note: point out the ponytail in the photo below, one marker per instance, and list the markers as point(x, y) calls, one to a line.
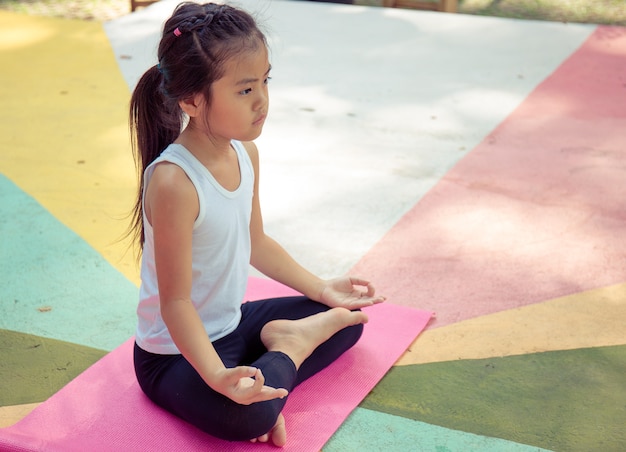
point(155, 122)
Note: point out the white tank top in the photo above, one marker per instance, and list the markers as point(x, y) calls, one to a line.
point(220, 254)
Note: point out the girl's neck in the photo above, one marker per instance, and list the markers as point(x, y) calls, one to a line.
point(202, 145)
point(217, 156)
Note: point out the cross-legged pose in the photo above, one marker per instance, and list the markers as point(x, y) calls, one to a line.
point(223, 366)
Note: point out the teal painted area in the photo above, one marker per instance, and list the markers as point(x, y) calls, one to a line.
point(370, 430)
point(53, 283)
point(572, 400)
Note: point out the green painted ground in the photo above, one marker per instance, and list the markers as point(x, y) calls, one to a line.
point(33, 368)
point(564, 400)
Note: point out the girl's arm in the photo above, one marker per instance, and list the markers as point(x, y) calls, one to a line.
point(272, 260)
point(171, 205)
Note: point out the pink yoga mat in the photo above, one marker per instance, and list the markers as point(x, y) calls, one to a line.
point(103, 409)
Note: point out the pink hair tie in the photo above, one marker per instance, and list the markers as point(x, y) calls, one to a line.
point(177, 32)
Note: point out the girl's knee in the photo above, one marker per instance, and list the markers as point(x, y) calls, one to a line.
point(353, 334)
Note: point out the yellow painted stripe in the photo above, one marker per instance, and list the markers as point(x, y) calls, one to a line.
point(63, 131)
point(10, 415)
point(588, 319)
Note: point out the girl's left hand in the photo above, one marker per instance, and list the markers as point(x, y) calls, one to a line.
point(342, 292)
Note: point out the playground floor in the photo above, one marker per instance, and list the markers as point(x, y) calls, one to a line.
point(470, 166)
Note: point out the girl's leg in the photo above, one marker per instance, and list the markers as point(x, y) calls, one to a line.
point(256, 315)
point(172, 383)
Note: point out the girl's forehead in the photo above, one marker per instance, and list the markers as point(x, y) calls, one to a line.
point(248, 62)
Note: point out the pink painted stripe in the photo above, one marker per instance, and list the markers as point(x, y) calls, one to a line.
point(536, 211)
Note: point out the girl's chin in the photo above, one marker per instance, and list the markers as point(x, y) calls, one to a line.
point(253, 135)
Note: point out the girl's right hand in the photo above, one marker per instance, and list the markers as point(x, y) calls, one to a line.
point(245, 385)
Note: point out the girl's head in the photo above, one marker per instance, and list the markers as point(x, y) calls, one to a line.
point(198, 42)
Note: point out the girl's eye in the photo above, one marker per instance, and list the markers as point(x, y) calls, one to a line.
point(249, 90)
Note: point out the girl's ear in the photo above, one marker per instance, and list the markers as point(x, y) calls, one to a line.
point(193, 105)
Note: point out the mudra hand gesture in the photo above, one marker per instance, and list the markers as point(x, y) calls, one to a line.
point(245, 385)
point(344, 292)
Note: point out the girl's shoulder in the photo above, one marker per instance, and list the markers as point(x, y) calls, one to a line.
point(175, 165)
point(168, 170)
point(170, 177)
point(252, 151)
point(169, 187)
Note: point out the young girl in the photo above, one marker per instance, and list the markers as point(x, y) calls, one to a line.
point(223, 366)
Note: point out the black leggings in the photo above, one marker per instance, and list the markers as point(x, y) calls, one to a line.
point(172, 383)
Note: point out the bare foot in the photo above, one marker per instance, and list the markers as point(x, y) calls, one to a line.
point(278, 434)
point(298, 338)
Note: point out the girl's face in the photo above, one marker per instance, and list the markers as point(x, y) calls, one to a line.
point(240, 98)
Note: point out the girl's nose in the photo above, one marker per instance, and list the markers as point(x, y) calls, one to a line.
point(262, 100)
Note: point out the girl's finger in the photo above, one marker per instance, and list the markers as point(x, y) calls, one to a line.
point(259, 380)
point(355, 280)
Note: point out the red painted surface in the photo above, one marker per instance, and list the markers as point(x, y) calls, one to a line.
point(536, 211)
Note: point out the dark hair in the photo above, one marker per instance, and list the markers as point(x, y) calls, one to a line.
point(197, 40)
